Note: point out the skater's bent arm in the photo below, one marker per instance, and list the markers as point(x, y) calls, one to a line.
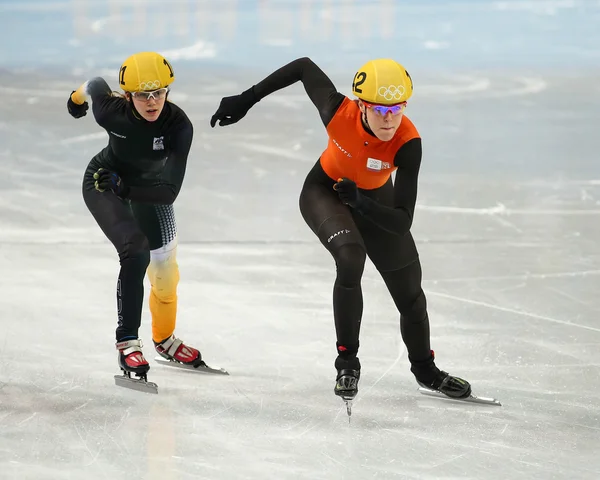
point(98, 90)
point(317, 84)
point(166, 192)
point(398, 219)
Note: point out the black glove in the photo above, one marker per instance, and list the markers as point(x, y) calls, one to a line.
point(77, 111)
point(107, 180)
point(348, 192)
point(233, 109)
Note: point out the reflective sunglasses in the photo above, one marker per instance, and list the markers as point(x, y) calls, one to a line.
point(146, 96)
point(384, 109)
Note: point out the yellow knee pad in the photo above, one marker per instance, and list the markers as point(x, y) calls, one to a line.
point(163, 273)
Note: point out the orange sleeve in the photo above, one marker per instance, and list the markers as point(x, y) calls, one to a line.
point(79, 96)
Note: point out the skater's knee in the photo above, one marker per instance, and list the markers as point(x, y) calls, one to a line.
point(414, 308)
point(135, 250)
point(350, 263)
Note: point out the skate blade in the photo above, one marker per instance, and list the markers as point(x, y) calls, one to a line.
point(471, 398)
point(348, 401)
point(202, 368)
point(348, 408)
point(136, 384)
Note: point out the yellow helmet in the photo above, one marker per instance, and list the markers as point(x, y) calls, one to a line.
point(145, 71)
point(382, 81)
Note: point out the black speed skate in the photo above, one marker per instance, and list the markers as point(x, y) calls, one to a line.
point(437, 383)
point(453, 387)
point(431, 377)
point(346, 382)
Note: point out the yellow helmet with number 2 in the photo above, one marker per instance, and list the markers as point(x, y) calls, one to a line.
point(382, 81)
point(145, 71)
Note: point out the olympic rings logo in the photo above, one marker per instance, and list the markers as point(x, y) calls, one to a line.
point(392, 92)
point(153, 85)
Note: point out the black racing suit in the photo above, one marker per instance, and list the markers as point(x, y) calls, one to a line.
point(381, 229)
point(150, 158)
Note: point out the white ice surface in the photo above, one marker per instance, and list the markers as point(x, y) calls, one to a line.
point(507, 226)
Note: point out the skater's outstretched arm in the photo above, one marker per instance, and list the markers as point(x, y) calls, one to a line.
point(317, 84)
point(96, 88)
point(101, 95)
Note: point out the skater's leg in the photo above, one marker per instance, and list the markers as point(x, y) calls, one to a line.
point(114, 217)
point(158, 224)
point(163, 273)
point(116, 220)
point(405, 288)
point(332, 222)
point(397, 260)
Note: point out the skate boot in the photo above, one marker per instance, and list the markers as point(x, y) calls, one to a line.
point(431, 377)
point(346, 382)
point(131, 358)
point(175, 350)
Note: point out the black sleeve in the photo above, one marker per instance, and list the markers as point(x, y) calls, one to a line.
point(103, 101)
point(97, 88)
point(317, 84)
point(398, 219)
point(167, 190)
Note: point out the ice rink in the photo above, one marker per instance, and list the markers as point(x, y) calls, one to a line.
point(507, 100)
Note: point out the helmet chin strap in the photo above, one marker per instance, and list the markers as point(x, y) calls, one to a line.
point(365, 122)
point(130, 104)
